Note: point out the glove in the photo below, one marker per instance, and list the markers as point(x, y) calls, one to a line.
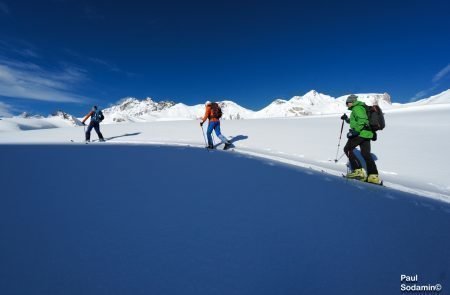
point(352, 134)
point(201, 124)
point(345, 118)
point(84, 124)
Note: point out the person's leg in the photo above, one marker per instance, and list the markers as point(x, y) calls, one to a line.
point(219, 134)
point(352, 143)
point(88, 131)
point(209, 132)
point(365, 152)
point(97, 130)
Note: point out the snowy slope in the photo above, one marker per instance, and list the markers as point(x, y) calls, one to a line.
point(153, 220)
point(405, 158)
point(441, 98)
point(28, 122)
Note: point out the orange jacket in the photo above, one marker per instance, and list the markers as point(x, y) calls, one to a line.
point(87, 116)
point(208, 115)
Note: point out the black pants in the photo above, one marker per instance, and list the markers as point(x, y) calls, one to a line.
point(96, 126)
point(364, 145)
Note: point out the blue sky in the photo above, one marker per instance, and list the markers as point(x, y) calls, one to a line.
point(67, 54)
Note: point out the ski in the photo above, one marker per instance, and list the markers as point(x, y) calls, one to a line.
point(78, 141)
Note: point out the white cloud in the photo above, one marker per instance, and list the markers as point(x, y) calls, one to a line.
point(27, 52)
point(19, 47)
point(439, 76)
point(419, 95)
point(110, 66)
point(442, 73)
point(30, 81)
point(5, 110)
point(4, 7)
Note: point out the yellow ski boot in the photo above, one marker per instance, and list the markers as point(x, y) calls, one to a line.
point(358, 174)
point(373, 178)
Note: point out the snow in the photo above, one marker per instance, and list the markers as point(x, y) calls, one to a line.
point(441, 98)
point(26, 122)
point(148, 219)
point(131, 109)
point(311, 103)
point(408, 157)
point(152, 212)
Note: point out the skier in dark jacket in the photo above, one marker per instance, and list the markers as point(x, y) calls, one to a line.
point(213, 114)
point(360, 135)
point(96, 116)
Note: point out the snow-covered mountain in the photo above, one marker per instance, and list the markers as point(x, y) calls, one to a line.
point(67, 118)
point(315, 103)
point(312, 103)
point(27, 121)
point(131, 109)
point(134, 110)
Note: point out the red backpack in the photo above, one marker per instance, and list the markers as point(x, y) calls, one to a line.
point(216, 111)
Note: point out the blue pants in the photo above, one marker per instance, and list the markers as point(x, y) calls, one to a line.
point(96, 126)
point(216, 127)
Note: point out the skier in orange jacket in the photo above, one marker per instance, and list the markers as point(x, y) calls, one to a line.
point(213, 113)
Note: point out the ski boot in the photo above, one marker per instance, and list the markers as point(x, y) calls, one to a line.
point(358, 174)
point(101, 140)
point(210, 147)
point(228, 145)
point(373, 178)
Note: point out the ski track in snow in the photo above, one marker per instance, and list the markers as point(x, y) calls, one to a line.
point(402, 153)
point(269, 156)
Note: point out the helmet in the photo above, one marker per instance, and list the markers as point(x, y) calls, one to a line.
point(351, 98)
point(207, 103)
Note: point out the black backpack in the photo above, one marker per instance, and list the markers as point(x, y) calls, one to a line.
point(216, 111)
point(97, 116)
point(376, 118)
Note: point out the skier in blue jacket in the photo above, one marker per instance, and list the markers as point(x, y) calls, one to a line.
point(96, 116)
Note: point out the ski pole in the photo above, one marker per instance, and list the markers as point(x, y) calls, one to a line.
point(339, 144)
point(339, 157)
point(203, 132)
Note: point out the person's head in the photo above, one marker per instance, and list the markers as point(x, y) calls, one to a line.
point(351, 100)
point(207, 103)
point(94, 108)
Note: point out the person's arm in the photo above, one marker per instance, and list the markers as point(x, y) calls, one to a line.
point(206, 116)
point(87, 116)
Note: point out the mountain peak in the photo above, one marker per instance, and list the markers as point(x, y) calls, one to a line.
point(311, 93)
